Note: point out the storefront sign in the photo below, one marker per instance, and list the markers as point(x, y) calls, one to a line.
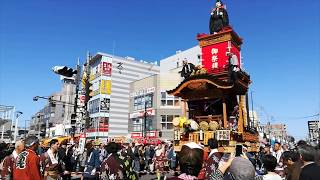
point(106, 68)
point(149, 134)
point(150, 112)
point(143, 92)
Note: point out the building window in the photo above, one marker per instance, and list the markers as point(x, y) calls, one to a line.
point(136, 124)
point(166, 121)
point(163, 95)
point(141, 101)
point(167, 100)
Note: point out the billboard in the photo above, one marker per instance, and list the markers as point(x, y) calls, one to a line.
point(313, 127)
point(105, 105)
point(105, 87)
point(94, 106)
point(106, 68)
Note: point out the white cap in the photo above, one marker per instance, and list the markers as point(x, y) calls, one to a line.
point(193, 145)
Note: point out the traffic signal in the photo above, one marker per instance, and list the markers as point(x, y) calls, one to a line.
point(88, 92)
point(64, 71)
point(73, 119)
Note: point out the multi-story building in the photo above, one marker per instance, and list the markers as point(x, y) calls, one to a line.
point(254, 119)
point(144, 107)
point(54, 119)
point(170, 77)
point(275, 132)
point(7, 118)
point(110, 77)
point(149, 95)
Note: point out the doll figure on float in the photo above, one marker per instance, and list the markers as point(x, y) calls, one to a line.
point(219, 18)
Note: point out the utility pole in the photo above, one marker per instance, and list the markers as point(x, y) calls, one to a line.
point(252, 111)
point(25, 128)
point(39, 131)
point(18, 113)
point(145, 117)
point(77, 80)
point(87, 90)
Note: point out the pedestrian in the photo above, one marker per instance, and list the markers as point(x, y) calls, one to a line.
point(172, 157)
point(50, 162)
point(136, 158)
point(214, 157)
point(92, 161)
point(103, 152)
point(27, 166)
point(238, 168)
point(82, 160)
point(270, 163)
point(159, 158)
point(64, 160)
point(115, 166)
point(190, 161)
point(10, 160)
point(310, 170)
point(291, 160)
point(277, 152)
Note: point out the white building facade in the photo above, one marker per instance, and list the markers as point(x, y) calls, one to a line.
point(170, 106)
point(110, 77)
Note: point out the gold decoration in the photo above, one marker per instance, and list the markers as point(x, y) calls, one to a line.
point(204, 126)
point(213, 125)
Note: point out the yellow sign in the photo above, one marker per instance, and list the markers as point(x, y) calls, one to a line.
point(105, 87)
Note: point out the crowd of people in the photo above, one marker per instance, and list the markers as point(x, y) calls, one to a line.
point(114, 161)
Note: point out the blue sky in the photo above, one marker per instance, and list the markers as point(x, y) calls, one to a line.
point(281, 46)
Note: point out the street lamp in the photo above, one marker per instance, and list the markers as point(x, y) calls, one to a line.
point(18, 114)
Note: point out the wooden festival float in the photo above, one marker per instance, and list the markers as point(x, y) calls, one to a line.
point(215, 96)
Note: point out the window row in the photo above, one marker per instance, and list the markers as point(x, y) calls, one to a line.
point(142, 102)
point(168, 100)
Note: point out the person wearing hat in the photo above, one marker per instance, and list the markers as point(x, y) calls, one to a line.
point(219, 18)
point(50, 161)
point(27, 166)
point(10, 160)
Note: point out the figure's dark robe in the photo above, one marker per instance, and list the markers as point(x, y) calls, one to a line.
point(218, 20)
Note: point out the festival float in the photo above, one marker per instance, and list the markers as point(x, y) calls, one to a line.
point(215, 93)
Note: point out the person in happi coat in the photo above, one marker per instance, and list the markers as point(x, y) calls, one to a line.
point(50, 161)
point(159, 158)
point(115, 166)
point(9, 161)
point(214, 157)
point(27, 166)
